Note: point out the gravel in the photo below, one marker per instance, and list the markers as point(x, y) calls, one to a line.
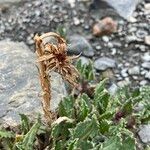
point(104, 63)
point(144, 134)
point(129, 45)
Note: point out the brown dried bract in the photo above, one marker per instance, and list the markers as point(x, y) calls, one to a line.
point(56, 59)
point(53, 57)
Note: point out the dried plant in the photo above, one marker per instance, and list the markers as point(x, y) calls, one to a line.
point(53, 57)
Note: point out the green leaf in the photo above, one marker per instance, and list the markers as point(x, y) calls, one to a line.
point(127, 107)
point(79, 65)
point(61, 30)
point(82, 109)
point(84, 129)
point(85, 145)
point(60, 128)
point(66, 107)
point(107, 115)
point(113, 143)
point(29, 138)
point(72, 144)
point(86, 98)
point(25, 124)
point(128, 144)
point(147, 147)
point(145, 115)
point(91, 76)
point(86, 70)
point(59, 145)
point(6, 134)
point(104, 126)
point(101, 101)
point(7, 144)
point(136, 92)
point(100, 87)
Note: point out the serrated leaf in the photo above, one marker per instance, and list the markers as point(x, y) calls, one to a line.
point(84, 129)
point(145, 115)
point(6, 134)
point(101, 101)
point(66, 107)
point(85, 145)
point(82, 109)
point(86, 70)
point(61, 127)
point(87, 100)
point(104, 126)
point(100, 87)
point(128, 144)
point(79, 65)
point(25, 123)
point(127, 107)
point(136, 92)
point(72, 144)
point(107, 115)
point(59, 145)
point(114, 143)
point(29, 138)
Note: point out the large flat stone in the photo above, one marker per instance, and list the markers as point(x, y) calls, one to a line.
point(20, 90)
point(9, 1)
point(123, 8)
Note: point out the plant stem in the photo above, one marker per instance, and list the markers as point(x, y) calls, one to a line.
point(44, 80)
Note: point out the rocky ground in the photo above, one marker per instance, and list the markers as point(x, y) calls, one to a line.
point(123, 56)
point(125, 52)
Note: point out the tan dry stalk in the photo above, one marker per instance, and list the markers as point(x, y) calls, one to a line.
point(53, 57)
point(44, 79)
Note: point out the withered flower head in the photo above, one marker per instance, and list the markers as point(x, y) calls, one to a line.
point(56, 59)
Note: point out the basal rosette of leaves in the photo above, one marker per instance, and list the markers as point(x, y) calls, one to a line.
point(100, 122)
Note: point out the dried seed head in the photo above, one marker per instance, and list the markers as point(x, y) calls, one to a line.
point(56, 59)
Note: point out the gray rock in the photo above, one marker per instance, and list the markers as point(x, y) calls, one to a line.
point(147, 40)
point(146, 56)
point(123, 83)
point(110, 45)
point(98, 47)
point(132, 19)
point(76, 21)
point(124, 72)
point(105, 39)
point(123, 8)
point(132, 38)
point(19, 84)
point(146, 65)
point(9, 1)
point(84, 60)
point(113, 51)
point(134, 71)
point(139, 107)
point(144, 133)
point(143, 82)
point(142, 48)
point(79, 44)
point(141, 33)
point(113, 89)
point(104, 63)
point(147, 75)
